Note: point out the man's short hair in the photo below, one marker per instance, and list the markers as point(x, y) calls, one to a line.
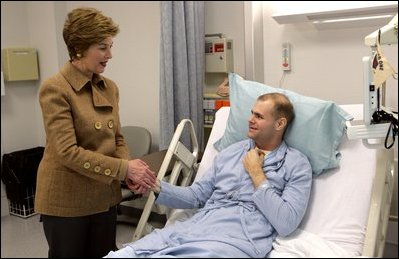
point(282, 106)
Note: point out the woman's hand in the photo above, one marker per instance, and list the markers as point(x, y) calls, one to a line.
point(139, 177)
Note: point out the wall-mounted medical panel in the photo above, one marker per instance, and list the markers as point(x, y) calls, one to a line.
point(219, 55)
point(20, 64)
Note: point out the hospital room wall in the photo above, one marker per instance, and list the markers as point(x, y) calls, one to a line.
point(135, 63)
point(21, 122)
point(134, 66)
point(226, 17)
point(317, 58)
point(325, 63)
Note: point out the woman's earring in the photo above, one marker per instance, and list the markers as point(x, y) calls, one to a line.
point(78, 55)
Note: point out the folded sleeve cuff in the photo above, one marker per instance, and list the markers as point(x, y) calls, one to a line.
point(123, 169)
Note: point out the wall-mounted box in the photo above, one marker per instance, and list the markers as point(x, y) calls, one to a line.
point(20, 64)
point(218, 55)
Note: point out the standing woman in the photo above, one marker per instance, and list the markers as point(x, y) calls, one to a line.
point(86, 157)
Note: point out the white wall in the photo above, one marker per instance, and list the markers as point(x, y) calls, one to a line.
point(326, 64)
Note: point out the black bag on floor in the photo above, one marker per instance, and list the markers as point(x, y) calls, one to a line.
point(19, 170)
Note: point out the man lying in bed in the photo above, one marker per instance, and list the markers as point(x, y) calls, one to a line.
point(255, 189)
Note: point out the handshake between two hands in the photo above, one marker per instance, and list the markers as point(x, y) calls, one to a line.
point(140, 179)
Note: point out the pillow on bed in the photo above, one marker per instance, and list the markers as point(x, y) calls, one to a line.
point(316, 130)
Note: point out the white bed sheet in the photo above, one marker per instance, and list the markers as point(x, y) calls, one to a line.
point(340, 198)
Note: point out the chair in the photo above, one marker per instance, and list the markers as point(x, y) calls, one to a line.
point(138, 140)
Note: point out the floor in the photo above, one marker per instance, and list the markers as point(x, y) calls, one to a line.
point(24, 238)
point(18, 233)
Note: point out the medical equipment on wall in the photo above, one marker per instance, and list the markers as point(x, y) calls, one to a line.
point(218, 54)
point(378, 121)
point(185, 164)
point(286, 56)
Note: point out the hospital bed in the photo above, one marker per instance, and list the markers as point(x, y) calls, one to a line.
point(349, 206)
point(177, 168)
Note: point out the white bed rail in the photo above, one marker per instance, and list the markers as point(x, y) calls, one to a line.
point(186, 162)
point(380, 205)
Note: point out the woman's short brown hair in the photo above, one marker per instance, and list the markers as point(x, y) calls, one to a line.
point(84, 27)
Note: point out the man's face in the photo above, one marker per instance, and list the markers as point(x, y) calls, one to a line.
point(261, 122)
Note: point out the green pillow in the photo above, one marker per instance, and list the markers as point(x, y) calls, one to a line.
point(316, 130)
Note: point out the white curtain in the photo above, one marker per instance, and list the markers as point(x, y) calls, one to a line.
point(182, 68)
